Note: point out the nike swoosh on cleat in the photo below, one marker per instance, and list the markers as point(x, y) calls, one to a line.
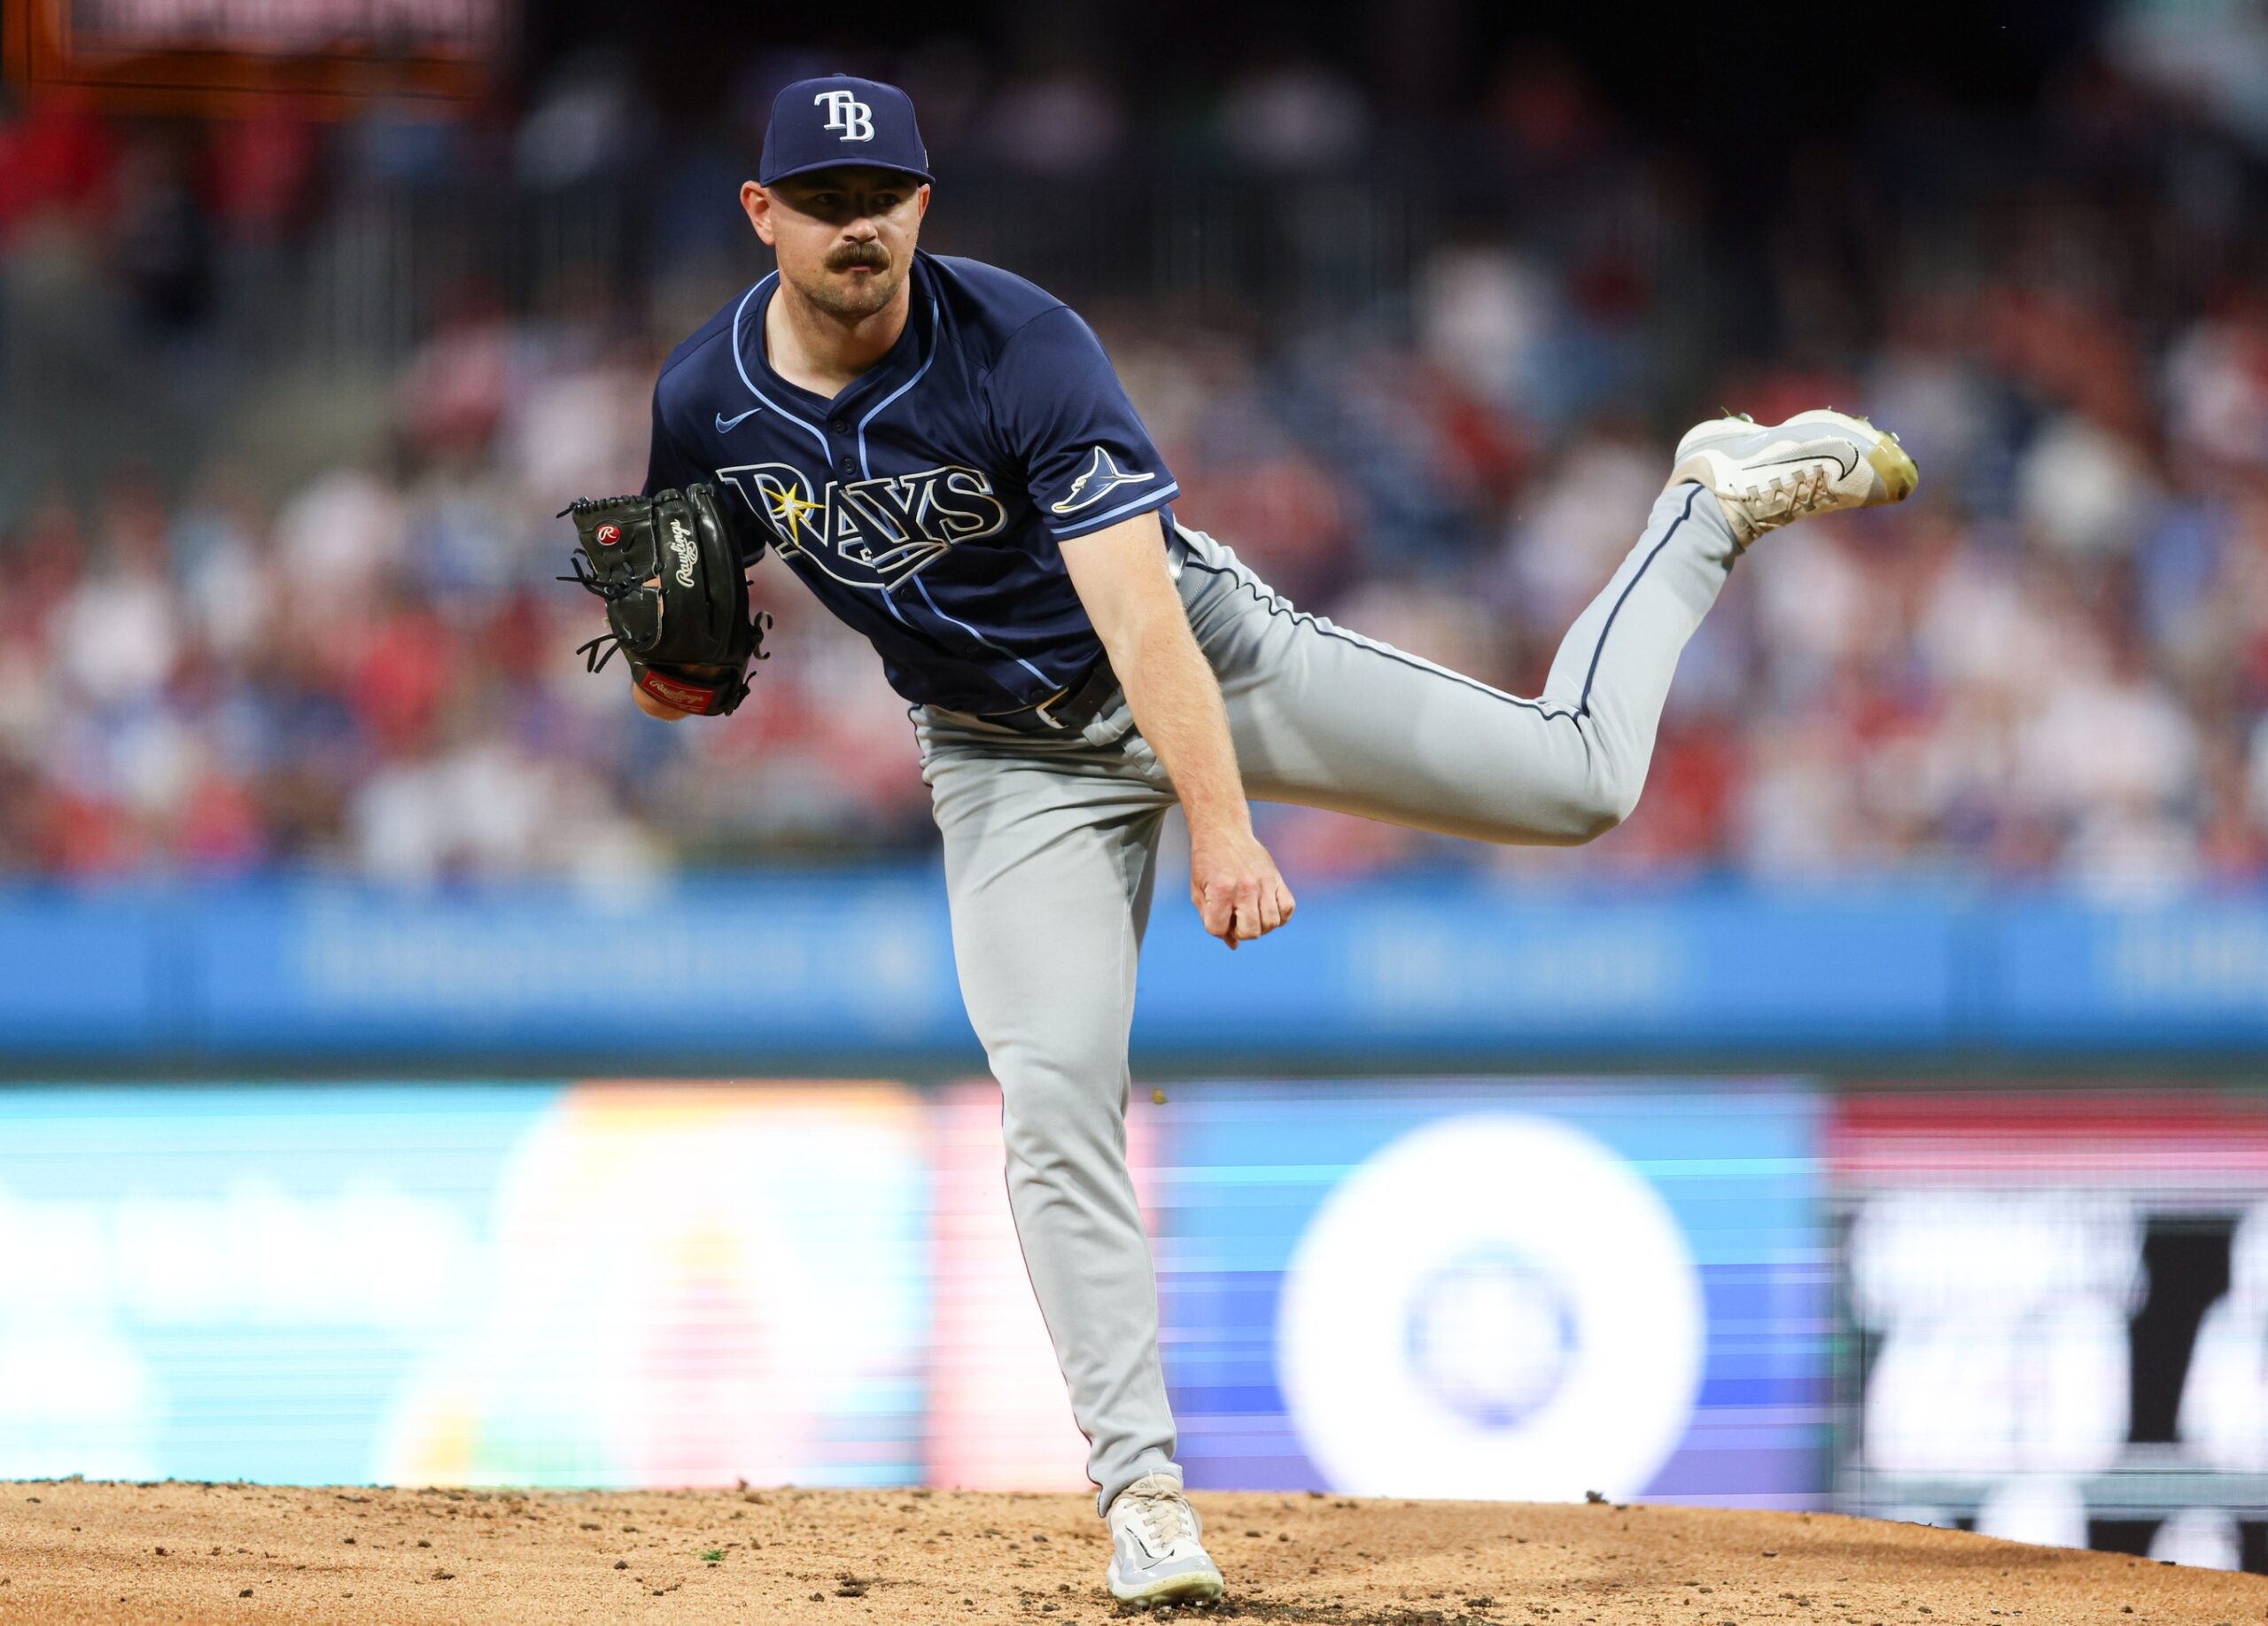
point(1841, 452)
point(724, 423)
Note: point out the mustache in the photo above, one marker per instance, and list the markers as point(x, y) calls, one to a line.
point(852, 255)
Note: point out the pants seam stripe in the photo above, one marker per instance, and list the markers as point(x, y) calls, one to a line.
point(1599, 649)
point(1276, 605)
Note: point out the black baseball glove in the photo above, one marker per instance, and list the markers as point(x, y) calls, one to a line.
point(676, 595)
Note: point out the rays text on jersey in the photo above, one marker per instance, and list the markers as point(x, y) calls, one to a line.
point(876, 533)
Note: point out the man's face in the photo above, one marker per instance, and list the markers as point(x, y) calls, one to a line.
point(845, 237)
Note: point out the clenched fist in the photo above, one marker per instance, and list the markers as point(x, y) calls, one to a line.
point(1236, 886)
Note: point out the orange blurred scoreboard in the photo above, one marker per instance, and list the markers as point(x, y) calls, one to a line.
point(224, 56)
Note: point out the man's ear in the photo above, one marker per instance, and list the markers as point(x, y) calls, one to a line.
point(757, 202)
point(922, 206)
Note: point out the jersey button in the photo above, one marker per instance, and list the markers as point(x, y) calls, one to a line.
point(850, 465)
point(839, 426)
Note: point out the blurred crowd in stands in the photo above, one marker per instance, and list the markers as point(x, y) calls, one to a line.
point(265, 614)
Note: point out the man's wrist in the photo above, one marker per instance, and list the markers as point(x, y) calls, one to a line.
point(1229, 820)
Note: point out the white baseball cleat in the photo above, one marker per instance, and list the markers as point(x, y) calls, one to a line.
point(1768, 475)
point(1156, 1557)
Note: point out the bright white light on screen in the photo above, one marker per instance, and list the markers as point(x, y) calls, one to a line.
point(1495, 1305)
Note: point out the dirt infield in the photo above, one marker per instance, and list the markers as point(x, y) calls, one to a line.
point(72, 1552)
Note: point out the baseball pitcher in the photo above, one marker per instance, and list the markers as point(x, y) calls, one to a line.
point(943, 453)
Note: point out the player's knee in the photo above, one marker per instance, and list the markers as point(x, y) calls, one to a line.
point(1564, 816)
point(1062, 1111)
point(1618, 802)
point(1604, 801)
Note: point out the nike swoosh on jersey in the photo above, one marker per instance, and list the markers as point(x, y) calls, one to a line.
point(724, 423)
point(1101, 474)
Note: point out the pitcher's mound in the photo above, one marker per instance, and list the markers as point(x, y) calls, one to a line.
point(72, 1552)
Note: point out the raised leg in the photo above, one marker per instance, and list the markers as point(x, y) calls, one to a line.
point(1325, 717)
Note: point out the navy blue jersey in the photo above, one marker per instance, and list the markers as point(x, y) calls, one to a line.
point(924, 504)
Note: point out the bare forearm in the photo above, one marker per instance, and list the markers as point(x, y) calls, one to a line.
point(1121, 579)
point(1177, 704)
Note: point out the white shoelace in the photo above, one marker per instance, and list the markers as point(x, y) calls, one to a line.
point(1165, 1520)
point(1785, 500)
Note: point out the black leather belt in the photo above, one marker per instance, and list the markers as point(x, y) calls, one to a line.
point(1067, 711)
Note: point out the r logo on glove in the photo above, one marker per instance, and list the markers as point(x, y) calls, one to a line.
point(676, 595)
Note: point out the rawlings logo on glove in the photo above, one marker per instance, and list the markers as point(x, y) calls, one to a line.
point(682, 545)
point(687, 632)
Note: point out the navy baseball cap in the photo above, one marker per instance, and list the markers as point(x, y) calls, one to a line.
point(822, 124)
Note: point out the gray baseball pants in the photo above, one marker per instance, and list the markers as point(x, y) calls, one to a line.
point(1051, 848)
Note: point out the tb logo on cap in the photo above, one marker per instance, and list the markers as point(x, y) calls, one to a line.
point(847, 113)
